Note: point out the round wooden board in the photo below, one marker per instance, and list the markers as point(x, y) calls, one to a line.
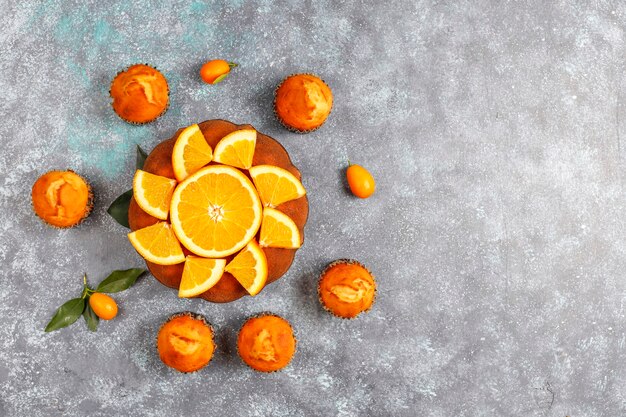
point(268, 151)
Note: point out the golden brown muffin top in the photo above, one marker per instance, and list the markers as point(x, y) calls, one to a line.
point(185, 342)
point(347, 288)
point(266, 343)
point(303, 102)
point(61, 198)
point(140, 94)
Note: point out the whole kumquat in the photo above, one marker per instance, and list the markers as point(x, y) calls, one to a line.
point(361, 182)
point(216, 70)
point(104, 306)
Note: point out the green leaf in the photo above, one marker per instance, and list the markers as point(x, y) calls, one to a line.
point(67, 314)
point(90, 318)
point(220, 78)
point(141, 157)
point(120, 280)
point(119, 208)
point(233, 64)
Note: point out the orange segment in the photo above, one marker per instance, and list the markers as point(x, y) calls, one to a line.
point(278, 230)
point(153, 193)
point(249, 267)
point(276, 185)
point(236, 149)
point(190, 153)
point(199, 275)
point(157, 244)
point(216, 211)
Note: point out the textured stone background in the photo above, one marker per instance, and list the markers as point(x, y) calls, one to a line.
point(497, 231)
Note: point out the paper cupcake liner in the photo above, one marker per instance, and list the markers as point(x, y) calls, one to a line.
point(196, 317)
point(265, 314)
point(89, 207)
point(347, 262)
point(167, 105)
point(291, 128)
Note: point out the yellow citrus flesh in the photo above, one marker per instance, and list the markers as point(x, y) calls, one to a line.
point(236, 149)
point(199, 275)
point(157, 244)
point(278, 230)
point(275, 185)
point(153, 193)
point(191, 152)
point(216, 211)
point(249, 267)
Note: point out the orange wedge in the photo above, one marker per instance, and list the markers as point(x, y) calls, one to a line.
point(190, 153)
point(275, 185)
point(153, 193)
point(278, 230)
point(249, 267)
point(157, 244)
point(199, 275)
point(216, 211)
point(236, 149)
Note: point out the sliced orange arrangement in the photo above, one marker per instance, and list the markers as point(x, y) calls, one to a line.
point(190, 153)
point(278, 230)
point(275, 185)
point(216, 211)
point(236, 149)
point(158, 244)
point(153, 193)
point(249, 267)
point(199, 275)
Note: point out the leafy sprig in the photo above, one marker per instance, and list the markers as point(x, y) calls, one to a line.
point(71, 310)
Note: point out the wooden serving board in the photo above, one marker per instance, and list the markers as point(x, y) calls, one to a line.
point(268, 151)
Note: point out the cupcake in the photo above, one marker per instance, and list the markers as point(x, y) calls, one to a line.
point(346, 288)
point(303, 102)
point(185, 342)
point(140, 94)
point(62, 198)
point(266, 342)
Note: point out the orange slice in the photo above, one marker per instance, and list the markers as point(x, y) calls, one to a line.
point(249, 267)
point(236, 149)
point(199, 275)
point(157, 244)
point(275, 185)
point(279, 231)
point(153, 193)
point(190, 153)
point(216, 211)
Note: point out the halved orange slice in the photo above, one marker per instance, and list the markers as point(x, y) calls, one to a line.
point(216, 211)
point(236, 149)
point(199, 275)
point(249, 267)
point(153, 193)
point(190, 153)
point(157, 244)
point(278, 230)
point(275, 185)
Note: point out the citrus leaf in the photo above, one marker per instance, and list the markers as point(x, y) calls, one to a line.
point(119, 280)
point(90, 318)
point(141, 157)
point(67, 314)
point(220, 78)
point(119, 208)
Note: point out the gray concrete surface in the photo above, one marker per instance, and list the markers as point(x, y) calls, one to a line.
point(495, 132)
